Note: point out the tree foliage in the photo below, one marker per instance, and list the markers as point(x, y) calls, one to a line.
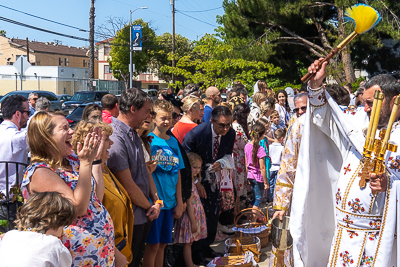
point(183, 47)
point(119, 62)
point(298, 31)
point(213, 63)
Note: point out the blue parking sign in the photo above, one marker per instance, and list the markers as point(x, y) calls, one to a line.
point(137, 37)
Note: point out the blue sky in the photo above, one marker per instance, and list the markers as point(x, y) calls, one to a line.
point(76, 13)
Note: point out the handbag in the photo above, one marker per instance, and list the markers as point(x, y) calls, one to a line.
point(173, 256)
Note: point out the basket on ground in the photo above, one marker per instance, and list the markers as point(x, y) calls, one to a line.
point(246, 260)
point(248, 243)
point(254, 224)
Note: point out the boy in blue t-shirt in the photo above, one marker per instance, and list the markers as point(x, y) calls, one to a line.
point(167, 177)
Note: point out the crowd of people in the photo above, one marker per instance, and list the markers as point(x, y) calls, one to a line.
point(135, 175)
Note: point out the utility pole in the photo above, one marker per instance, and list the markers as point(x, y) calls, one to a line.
point(173, 37)
point(91, 46)
point(27, 49)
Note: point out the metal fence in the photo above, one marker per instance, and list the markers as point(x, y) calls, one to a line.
point(9, 201)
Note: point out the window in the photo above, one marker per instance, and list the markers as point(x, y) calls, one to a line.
point(107, 50)
point(107, 69)
point(85, 63)
point(60, 61)
point(153, 86)
point(66, 62)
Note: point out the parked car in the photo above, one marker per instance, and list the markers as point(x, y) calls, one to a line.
point(55, 103)
point(82, 97)
point(76, 115)
point(64, 98)
point(153, 93)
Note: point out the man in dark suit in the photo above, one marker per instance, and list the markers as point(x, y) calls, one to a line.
point(212, 141)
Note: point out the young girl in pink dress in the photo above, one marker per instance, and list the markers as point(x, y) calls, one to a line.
point(192, 225)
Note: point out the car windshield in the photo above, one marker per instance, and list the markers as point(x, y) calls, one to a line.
point(83, 97)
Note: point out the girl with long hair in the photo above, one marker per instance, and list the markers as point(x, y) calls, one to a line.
point(255, 163)
point(282, 106)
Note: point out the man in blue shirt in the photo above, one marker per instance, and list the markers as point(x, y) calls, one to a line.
point(32, 98)
point(213, 96)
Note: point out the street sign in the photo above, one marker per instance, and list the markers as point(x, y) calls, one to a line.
point(136, 37)
point(21, 64)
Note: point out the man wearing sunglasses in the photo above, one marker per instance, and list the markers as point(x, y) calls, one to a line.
point(212, 141)
point(32, 98)
point(13, 145)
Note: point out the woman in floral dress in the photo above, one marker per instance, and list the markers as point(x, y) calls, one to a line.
point(240, 113)
point(90, 239)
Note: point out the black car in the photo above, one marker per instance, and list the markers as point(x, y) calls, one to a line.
point(76, 115)
point(83, 97)
point(54, 102)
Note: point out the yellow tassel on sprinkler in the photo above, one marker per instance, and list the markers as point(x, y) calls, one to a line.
point(364, 17)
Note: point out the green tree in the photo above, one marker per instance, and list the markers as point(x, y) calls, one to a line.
point(3, 33)
point(212, 63)
point(183, 47)
point(298, 32)
point(119, 62)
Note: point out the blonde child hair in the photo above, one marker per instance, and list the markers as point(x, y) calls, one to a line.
point(274, 114)
point(193, 157)
point(164, 105)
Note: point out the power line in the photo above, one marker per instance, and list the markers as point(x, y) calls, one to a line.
point(43, 30)
point(202, 10)
point(196, 18)
point(59, 23)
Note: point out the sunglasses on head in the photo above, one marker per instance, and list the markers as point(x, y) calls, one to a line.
point(304, 108)
point(176, 115)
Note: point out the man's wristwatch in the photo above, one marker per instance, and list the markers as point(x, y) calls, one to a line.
point(160, 202)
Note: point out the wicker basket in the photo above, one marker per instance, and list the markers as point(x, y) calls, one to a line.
point(232, 261)
point(258, 219)
point(247, 243)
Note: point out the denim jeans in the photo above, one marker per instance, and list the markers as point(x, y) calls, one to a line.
point(258, 189)
point(271, 190)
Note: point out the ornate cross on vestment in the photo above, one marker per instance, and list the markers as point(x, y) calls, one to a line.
point(347, 169)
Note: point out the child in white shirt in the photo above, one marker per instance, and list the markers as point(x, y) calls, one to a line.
point(39, 224)
point(275, 153)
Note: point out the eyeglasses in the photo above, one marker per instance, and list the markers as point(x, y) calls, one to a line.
point(296, 110)
point(35, 98)
point(176, 115)
point(223, 126)
point(25, 111)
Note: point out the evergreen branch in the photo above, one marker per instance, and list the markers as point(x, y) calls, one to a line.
point(319, 4)
point(303, 44)
point(302, 39)
point(321, 33)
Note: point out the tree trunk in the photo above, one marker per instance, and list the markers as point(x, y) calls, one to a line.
point(346, 56)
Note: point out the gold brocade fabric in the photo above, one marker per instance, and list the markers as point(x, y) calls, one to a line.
point(118, 204)
point(285, 180)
